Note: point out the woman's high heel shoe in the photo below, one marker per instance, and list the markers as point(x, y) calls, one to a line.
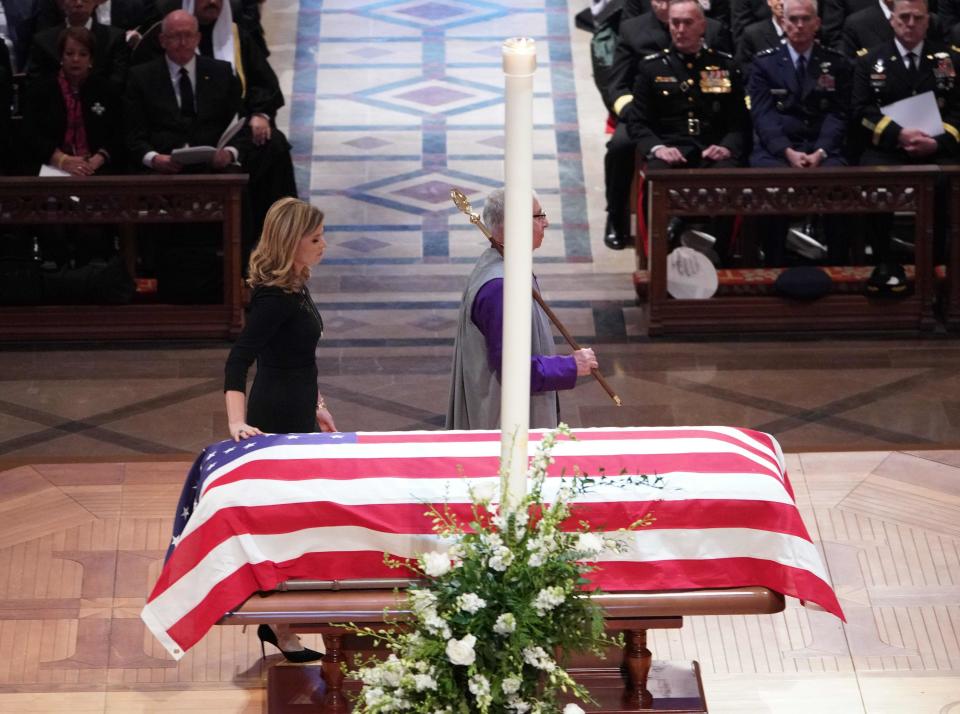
point(266, 634)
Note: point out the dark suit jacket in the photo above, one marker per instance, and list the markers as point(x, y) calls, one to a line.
point(746, 12)
point(949, 12)
point(124, 14)
point(6, 97)
point(759, 36)
point(152, 116)
point(719, 10)
point(262, 93)
point(111, 56)
point(45, 113)
point(788, 113)
point(880, 79)
point(642, 36)
point(865, 29)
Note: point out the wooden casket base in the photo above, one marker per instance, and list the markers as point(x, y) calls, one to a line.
point(673, 687)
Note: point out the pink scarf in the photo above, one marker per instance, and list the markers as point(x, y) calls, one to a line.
point(75, 136)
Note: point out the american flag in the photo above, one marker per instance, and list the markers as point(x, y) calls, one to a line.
point(328, 506)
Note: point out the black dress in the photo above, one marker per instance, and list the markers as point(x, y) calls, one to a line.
point(281, 333)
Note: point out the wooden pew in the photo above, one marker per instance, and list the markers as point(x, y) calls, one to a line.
point(623, 684)
point(951, 295)
point(745, 192)
point(128, 201)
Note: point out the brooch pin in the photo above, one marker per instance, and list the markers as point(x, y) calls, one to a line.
point(98, 108)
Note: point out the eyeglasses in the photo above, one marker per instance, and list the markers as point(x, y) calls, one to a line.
point(540, 216)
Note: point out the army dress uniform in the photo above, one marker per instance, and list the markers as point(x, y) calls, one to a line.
point(804, 115)
point(881, 78)
point(689, 102)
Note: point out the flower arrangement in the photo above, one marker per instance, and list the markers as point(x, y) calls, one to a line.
point(492, 612)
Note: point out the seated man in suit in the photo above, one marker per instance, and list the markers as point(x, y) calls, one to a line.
point(744, 13)
point(799, 102)
point(182, 99)
point(127, 15)
point(639, 36)
point(760, 35)
point(265, 149)
point(905, 66)
point(112, 54)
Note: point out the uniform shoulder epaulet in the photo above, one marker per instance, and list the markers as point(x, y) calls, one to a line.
point(955, 48)
point(655, 55)
point(862, 52)
point(725, 55)
point(767, 52)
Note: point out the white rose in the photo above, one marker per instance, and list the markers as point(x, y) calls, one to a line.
point(590, 544)
point(435, 564)
point(505, 624)
point(461, 651)
point(573, 709)
point(511, 685)
point(471, 602)
point(422, 682)
point(483, 491)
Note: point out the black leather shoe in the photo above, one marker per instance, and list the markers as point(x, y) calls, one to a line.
point(613, 236)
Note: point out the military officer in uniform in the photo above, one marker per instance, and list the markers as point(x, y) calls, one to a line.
point(759, 36)
point(689, 109)
point(905, 66)
point(639, 37)
point(869, 27)
point(798, 95)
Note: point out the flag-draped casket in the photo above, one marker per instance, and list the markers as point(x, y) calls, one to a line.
point(328, 506)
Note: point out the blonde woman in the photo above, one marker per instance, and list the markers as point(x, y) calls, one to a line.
point(282, 331)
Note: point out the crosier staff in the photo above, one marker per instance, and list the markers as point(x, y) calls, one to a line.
point(463, 203)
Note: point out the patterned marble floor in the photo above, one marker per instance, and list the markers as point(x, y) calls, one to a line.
point(389, 103)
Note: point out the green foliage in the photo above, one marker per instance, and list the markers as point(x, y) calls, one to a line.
point(493, 612)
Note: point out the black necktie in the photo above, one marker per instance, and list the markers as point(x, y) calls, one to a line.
point(801, 69)
point(187, 106)
point(912, 63)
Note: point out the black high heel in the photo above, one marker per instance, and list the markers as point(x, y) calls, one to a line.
point(266, 634)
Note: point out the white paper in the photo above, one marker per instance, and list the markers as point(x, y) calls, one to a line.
point(48, 170)
point(917, 112)
point(193, 155)
point(228, 133)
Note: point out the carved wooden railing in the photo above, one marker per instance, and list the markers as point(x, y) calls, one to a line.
point(951, 306)
point(848, 190)
point(128, 201)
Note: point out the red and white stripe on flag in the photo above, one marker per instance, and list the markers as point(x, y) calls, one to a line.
point(328, 506)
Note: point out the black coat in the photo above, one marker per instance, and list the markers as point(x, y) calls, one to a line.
point(124, 14)
point(804, 116)
point(152, 116)
point(6, 97)
point(111, 56)
point(757, 37)
point(865, 29)
point(880, 78)
point(949, 12)
point(746, 12)
point(674, 104)
point(642, 36)
point(261, 88)
point(719, 10)
point(45, 112)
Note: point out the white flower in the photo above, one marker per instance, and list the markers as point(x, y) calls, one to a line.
point(471, 602)
point(535, 560)
point(518, 705)
point(590, 544)
point(479, 685)
point(461, 651)
point(422, 600)
point(501, 559)
point(422, 682)
point(434, 623)
point(537, 657)
point(548, 598)
point(573, 709)
point(511, 685)
point(483, 492)
point(435, 564)
point(505, 624)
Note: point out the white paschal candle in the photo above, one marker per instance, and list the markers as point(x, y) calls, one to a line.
point(519, 65)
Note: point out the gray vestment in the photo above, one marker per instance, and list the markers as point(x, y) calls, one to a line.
point(475, 389)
